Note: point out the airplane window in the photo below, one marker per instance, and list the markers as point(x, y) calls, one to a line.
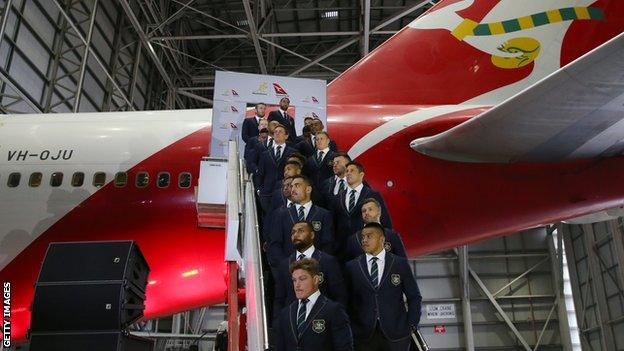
point(163, 179)
point(142, 179)
point(99, 179)
point(14, 180)
point(184, 180)
point(121, 179)
point(56, 180)
point(35, 179)
point(77, 179)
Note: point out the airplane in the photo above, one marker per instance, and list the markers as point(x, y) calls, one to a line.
point(478, 119)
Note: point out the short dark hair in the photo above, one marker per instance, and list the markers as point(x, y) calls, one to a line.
point(309, 265)
point(306, 129)
point(285, 178)
point(342, 154)
point(307, 223)
point(375, 225)
point(264, 130)
point(281, 126)
point(285, 98)
point(359, 166)
point(371, 200)
point(294, 163)
point(323, 132)
point(298, 156)
point(260, 103)
point(305, 179)
point(307, 118)
point(318, 119)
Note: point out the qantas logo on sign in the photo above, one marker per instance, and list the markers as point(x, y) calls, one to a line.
point(234, 109)
point(279, 91)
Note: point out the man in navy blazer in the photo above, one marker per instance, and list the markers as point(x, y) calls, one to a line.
point(271, 166)
point(307, 146)
point(332, 283)
point(377, 281)
point(280, 244)
point(337, 183)
point(347, 206)
point(371, 212)
point(319, 166)
point(282, 116)
point(250, 125)
point(312, 322)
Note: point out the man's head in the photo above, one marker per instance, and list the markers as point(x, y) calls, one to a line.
point(302, 235)
point(355, 173)
point(308, 120)
point(306, 131)
point(322, 141)
point(295, 156)
point(317, 126)
point(371, 210)
point(260, 109)
point(373, 238)
point(263, 124)
point(341, 160)
point(272, 126)
point(305, 277)
point(292, 168)
point(286, 187)
point(284, 103)
point(263, 135)
point(280, 134)
point(301, 189)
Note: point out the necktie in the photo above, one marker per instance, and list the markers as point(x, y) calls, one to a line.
point(374, 272)
point(292, 204)
point(301, 213)
point(319, 157)
point(278, 152)
point(301, 257)
point(352, 200)
point(270, 145)
point(301, 315)
point(341, 186)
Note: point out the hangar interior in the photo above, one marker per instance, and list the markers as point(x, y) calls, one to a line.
point(521, 291)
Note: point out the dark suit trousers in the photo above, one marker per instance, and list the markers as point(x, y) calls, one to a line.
point(378, 342)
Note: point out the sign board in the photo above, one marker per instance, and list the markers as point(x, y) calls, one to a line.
point(234, 91)
point(442, 311)
point(439, 329)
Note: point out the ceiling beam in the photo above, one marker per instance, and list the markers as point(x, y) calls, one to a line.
point(253, 32)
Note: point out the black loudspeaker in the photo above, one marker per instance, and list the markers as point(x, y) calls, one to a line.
point(113, 341)
point(89, 286)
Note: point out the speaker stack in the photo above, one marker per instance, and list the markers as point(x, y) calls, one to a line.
point(86, 295)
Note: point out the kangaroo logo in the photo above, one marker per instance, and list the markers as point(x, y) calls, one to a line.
point(511, 42)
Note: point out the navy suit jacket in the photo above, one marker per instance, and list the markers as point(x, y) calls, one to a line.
point(306, 148)
point(393, 244)
point(250, 128)
point(332, 283)
point(280, 243)
point(319, 172)
point(347, 223)
point(253, 149)
point(384, 303)
point(271, 170)
point(326, 328)
point(289, 123)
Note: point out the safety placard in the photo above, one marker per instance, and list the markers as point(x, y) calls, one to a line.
point(440, 311)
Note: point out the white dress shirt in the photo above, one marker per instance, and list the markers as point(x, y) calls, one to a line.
point(358, 191)
point(313, 139)
point(308, 253)
point(381, 260)
point(288, 202)
point(284, 114)
point(311, 301)
point(306, 208)
point(337, 186)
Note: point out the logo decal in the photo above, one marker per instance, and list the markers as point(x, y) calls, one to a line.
point(388, 246)
point(395, 279)
point(322, 277)
point(234, 109)
point(316, 225)
point(318, 325)
point(279, 91)
point(263, 89)
point(229, 92)
point(233, 126)
point(514, 42)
